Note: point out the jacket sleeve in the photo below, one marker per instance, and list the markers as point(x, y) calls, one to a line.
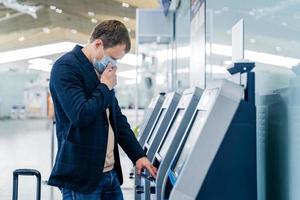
point(66, 83)
point(126, 137)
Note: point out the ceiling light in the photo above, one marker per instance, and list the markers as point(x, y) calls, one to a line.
point(126, 5)
point(58, 10)
point(41, 64)
point(284, 24)
point(52, 7)
point(46, 30)
point(94, 21)
point(40, 61)
point(126, 19)
point(31, 9)
point(21, 39)
point(91, 14)
point(35, 52)
point(74, 31)
point(45, 68)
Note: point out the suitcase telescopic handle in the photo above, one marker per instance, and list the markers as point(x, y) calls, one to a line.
point(26, 172)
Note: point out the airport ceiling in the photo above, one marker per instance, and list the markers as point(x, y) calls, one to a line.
point(271, 26)
point(62, 20)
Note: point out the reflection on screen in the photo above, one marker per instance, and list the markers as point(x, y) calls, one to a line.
point(171, 133)
point(145, 120)
point(194, 131)
point(156, 126)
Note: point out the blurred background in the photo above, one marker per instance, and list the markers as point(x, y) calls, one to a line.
point(34, 33)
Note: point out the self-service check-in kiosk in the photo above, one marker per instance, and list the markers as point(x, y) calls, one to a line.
point(171, 139)
point(158, 129)
point(216, 158)
point(149, 119)
point(165, 116)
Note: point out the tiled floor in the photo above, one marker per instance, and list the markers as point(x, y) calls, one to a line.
point(27, 144)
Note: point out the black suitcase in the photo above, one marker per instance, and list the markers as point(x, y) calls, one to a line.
point(26, 172)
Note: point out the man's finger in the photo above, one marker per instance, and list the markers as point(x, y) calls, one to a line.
point(154, 169)
point(138, 169)
point(114, 69)
point(109, 68)
point(153, 174)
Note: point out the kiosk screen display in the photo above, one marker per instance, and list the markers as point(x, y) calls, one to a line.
point(194, 131)
point(156, 127)
point(171, 133)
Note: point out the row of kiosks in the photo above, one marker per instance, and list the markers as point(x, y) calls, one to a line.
point(206, 149)
point(150, 116)
point(160, 124)
point(164, 140)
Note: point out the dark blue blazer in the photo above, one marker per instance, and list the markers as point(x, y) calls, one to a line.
point(80, 101)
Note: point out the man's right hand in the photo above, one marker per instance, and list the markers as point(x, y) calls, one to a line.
point(109, 77)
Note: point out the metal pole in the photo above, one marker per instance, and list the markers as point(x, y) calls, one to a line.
point(52, 154)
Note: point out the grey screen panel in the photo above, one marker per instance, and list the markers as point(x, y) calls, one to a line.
point(171, 133)
point(194, 131)
point(157, 125)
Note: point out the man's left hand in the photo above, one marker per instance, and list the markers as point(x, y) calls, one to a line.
point(145, 163)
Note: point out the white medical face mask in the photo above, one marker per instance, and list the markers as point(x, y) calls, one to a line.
point(100, 65)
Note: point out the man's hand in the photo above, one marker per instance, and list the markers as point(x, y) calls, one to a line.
point(145, 163)
point(109, 76)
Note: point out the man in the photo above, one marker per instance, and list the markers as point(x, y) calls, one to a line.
point(89, 121)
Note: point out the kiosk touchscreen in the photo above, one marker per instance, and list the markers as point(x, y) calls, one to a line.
point(167, 112)
point(150, 117)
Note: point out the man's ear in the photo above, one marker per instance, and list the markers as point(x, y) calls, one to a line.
point(98, 42)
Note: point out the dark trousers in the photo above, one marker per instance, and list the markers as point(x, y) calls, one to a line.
point(108, 189)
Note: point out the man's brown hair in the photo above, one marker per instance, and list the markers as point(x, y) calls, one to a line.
point(112, 33)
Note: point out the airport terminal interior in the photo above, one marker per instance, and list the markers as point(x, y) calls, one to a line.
point(210, 88)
